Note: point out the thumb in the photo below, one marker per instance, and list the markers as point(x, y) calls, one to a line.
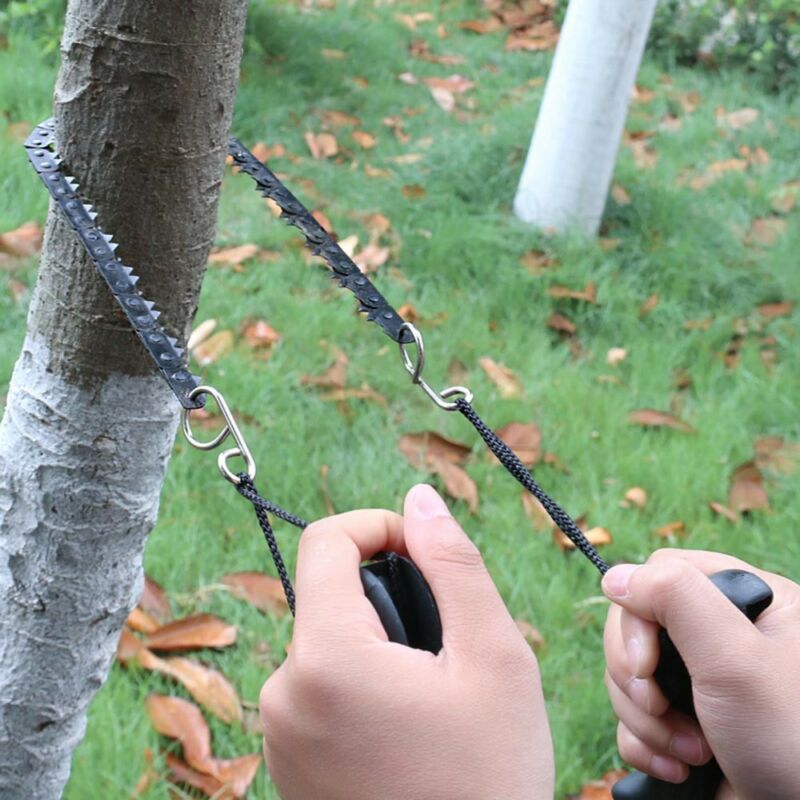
point(711, 634)
point(470, 607)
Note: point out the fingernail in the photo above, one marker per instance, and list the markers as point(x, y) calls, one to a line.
point(687, 747)
point(615, 581)
point(427, 502)
point(634, 649)
point(667, 769)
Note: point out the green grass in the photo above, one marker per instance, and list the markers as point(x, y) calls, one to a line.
point(459, 264)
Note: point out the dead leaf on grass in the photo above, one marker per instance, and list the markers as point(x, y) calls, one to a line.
point(456, 482)
point(724, 511)
point(419, 447)
point(260, 590)
point(536, 513)
point(154, 600)
point(322, 145)
point(562, 324)
point(502, 377)
point(650, 418)
point(213, 348)
point(596, 536)
point(334, 377)
point(747, 491)
point(22, 242)
point(259, 334)
point(531, 634)
point(670, 529)
point(192, 633)
point(587, 295)
point(525, 439)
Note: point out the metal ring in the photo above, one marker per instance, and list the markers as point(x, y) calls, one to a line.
point(231, 428)
point(415, 367)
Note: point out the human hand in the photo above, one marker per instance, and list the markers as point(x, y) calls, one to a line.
point(745, 677)
point(352, 716)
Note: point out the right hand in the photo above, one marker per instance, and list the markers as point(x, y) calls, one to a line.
point(745, 677)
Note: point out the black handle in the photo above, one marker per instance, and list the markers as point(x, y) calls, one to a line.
point(404, 602)
point(751, 596)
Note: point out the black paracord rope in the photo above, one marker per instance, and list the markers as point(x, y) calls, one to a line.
point(509, 459)
point(247, 489)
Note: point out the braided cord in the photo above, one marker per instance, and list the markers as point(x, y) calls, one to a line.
point(247, 489)
point(509, 459)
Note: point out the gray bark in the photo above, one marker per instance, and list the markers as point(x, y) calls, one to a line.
point(143, 104)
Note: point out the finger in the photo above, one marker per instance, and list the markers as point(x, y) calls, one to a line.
point(642, 757)
point(671, 733)
point(328, 584)
point(708, 630)
point(640, 640)
point(644, 692)
point(472, 612)
point(725, 792)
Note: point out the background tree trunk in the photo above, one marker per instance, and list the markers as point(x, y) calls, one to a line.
point(143, 103)
point(571, 159)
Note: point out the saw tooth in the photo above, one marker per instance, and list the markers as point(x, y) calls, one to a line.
point(134, 279)
point(150, 304)
point(129, 270)
point(179, 351)
point(156, 314)
point(112, 246)
point(172, 340)
point(72, 183)
point(108, 237)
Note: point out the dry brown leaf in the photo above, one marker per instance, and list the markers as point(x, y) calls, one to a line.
point(636, 497)
point(608, 243)
point(371, 258)
point(363, 392)
point(335, 377)
point(779, 309)
point(650, 418)
point(443, 98)
point(676, 528)
point(201, 333)
point(412, 20)
point(601, 790)
point(649, 305)
point(233, 256)
point(766, 231)
point(141, 621)
point(322, 145)
point(333, 55)
point(562, 324)
point(747, 492)
point(414, 191)
point(192, 633)
point(724, 511)
point(620, 194)
point(180, 772)
point(265, 153)
point(364, 140)
point(644, 156)
point(482, 26)
point(533, 39)
point(260, 590)
point(536, 513)
point(419, 448)
point(456, 482)
point(455, 84)
point(587, 295)
point(502, 377)
point(154, 600)
point(214, 348)
point(616, 355)
point(339, 119)
point(774, 454)
point(531, 635)
point(260, 334)
point(537, 261)
point(322, 218)
point(128, 646)
point(596, 536)
point(22, 242)
point(525, 439)
point(408, 311)
point(739, 119)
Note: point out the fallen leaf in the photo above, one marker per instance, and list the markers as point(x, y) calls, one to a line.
point(180, 772)
point(616, 355)
point(419, 448)
point(740, 119)
point(531, 635)
point(525, 439)
point(141, 621)
point(766, 231)
point(747, 492)
point(542, 36)
point(17, 289)
point(649, 305)
point(596, 536)
point(264, 153)
point(502, 377)
point(365, 140)
point(371, 258)
point(778, 309)
point(587, 295)
point(154, 600)
point(536, 513)
point(339, 119)
point(201, 333)
point(336, 55)
point(758, 155)
point(412, 20)
point(456, 84)
point(558, 322)
point(260, 334)
point(727, 165)
point(650, 418)
point(443, 98)
point(192, 633)
point(408, 312)
point(214, 348)
point(322, 145)
point(233, 256)
point(260, 590)
point(536, 261)
point(128, 646)
point(335, 377)
point(636, 497)
point(414, 191)
point(148, 777)
point(22, 242)
point(482, 26)
point(671, 529)
point(456, 482)
point(644, 156)
point(774, 454)
point(724, 511)
point(620, 195)
point(409, 78)
point(608, 243)
point(322, 218)
point(363, 392)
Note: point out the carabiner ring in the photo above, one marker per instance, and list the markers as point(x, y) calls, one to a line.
point(230, 429)
point(414, 369)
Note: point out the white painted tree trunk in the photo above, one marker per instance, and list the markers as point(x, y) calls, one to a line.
point(570, 163)
point(143, 105)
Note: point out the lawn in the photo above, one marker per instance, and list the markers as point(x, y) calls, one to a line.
point(692, 244)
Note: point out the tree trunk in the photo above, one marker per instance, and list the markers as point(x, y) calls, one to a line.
point(571, 159)
point(143, 105)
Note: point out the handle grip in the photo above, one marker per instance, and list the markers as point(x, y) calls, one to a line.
point(751, 596)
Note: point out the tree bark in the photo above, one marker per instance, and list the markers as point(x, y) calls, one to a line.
point(143, 105)
point(571, 159)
